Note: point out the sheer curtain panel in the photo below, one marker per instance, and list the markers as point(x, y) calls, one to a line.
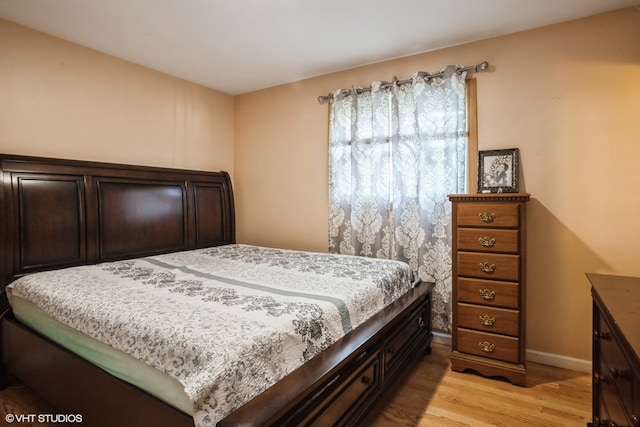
point(395, 153)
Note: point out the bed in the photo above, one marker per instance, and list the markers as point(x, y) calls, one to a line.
point(121, 230)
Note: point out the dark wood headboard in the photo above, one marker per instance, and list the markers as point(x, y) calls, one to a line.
point(60, 213)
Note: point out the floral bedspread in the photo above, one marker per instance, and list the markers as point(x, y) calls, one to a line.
point(227, 322)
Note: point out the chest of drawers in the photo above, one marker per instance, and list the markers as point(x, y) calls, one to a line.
point(616, 350)
point(489, 275)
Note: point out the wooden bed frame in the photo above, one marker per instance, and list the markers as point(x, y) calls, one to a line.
point(60, 213)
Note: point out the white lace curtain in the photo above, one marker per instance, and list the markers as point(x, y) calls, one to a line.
point(394, 156)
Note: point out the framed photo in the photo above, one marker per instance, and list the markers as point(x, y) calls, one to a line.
point(498, 171)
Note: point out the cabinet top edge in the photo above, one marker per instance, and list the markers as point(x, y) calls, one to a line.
point(517, 197)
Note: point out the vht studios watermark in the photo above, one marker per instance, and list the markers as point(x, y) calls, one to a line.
point(43, 418)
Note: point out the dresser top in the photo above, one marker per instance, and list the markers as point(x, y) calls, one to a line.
point(621, 298)
point(493, 197)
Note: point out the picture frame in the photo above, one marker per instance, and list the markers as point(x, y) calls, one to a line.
point(498, 171)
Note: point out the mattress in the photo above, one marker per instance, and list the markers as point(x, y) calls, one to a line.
point(209, 329)
point(117, 363)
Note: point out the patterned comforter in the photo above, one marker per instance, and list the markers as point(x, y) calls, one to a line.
point(227, 322)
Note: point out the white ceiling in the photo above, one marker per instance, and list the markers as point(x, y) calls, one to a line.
point(238, 46)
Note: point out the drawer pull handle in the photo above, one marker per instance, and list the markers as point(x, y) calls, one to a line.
point(487, 347)
point(487, 294)
point(366, 380)
point(487, 320)
point(601, 379)
point(597, 378)
point(599, 422)
point(597, 335)
point(617, 374)
point(420, 322)
point(391, 350)
point(487, 241)
point(487, 216)
point(487, 267)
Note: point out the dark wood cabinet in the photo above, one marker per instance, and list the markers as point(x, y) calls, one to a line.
point(616, 346)
point(488, 323)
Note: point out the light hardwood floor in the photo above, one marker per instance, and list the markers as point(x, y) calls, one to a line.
point(432, 395)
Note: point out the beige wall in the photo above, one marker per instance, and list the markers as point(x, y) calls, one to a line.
point(58, 99)
point(567, 95)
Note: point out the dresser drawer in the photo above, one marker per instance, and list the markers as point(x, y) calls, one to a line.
point(489, 345)
point(488, 215)
point(616, 391)
point(614, 371)
point(488, 292)
point(494, 266)
point(488, 240)
point(615, 410)
point(489, 319)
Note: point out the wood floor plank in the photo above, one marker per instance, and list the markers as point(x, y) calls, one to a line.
point(18, 400)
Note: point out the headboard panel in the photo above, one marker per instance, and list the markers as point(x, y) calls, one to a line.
point(48, 219)
point(59, 213)
point(141, 217)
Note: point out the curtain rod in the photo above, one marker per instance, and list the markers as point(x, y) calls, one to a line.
point(478, 67)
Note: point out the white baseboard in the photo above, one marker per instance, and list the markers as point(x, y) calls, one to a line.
point(558, 361)
point(442, 338)
point(535, 356)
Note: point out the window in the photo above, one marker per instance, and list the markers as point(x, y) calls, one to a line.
point(395, 153)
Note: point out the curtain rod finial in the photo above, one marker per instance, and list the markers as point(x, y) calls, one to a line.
point(483, 65)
